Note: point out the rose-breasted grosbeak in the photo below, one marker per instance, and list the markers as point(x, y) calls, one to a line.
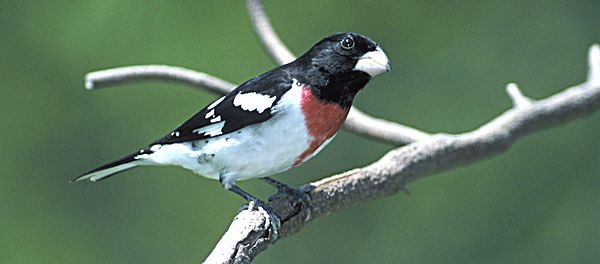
point(271, 123)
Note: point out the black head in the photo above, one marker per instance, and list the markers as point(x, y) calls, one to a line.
point(340, 65)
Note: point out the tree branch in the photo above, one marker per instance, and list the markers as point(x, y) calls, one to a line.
point(380, 129)
point(266, 34)
point(389, 174)
point(123, 75)
point(517, 97)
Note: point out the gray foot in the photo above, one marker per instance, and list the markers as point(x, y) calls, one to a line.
point(301, 196)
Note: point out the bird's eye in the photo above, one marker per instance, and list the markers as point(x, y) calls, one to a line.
point(347, 43)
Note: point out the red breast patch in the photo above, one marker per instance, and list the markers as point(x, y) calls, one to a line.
point(323, 120)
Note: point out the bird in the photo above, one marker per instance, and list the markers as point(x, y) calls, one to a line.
point(270, 123)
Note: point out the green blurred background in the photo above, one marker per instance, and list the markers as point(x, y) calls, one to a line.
point(536, 203)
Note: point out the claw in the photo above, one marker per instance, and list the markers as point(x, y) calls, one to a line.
point(273, 221)
point(303, 197)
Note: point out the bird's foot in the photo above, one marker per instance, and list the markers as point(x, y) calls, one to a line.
point(273, 222)
point(295, 194)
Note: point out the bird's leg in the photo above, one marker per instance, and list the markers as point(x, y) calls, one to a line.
point(248, 197)
point(272, 218)
point(277, 184)
point(296, 194)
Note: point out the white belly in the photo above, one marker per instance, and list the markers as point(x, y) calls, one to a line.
point(259, 151)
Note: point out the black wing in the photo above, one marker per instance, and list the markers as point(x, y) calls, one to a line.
point(223, 116)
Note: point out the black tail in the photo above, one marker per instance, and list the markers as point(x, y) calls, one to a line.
point(107, 170)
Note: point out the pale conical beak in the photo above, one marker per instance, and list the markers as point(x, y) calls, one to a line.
point(373, 63)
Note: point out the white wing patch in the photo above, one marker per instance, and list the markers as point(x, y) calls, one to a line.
point(253, 101)
point(215, 103)
point(211, 130)
point(155, 148)
point(210, 114)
